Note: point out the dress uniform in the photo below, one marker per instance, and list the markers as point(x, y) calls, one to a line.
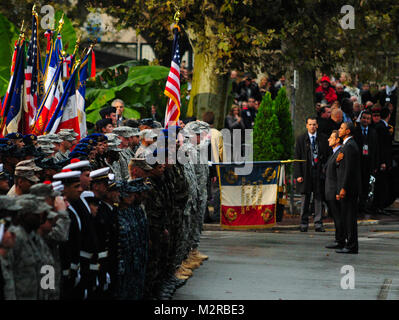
point(79, 254)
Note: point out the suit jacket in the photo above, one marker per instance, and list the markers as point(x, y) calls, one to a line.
point(331, 185)
point(303, 169)
point(385, 143)
point(348, 169)
point(371, 140)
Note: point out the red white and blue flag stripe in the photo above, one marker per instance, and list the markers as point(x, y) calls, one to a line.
point(172, 89)
point(34, 87)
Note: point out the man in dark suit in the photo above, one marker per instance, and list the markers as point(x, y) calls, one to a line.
point(331, 191)
point(383, 196)
point(367, 141)
point(312, 147)
point(349, 185)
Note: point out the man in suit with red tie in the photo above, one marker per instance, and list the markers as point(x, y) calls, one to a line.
point(312, 147)
point(349, 185)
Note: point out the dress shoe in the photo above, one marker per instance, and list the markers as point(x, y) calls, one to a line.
point(334, 245)
point(303, 229)
point(346, 250)
point(320, 229)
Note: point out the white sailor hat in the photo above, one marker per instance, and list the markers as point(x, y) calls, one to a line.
point(58, 186)
point(100, 174)
point(77, 164)
point(68, 176)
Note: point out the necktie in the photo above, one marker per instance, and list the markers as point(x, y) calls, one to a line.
point(364, 132)
point(313, 143)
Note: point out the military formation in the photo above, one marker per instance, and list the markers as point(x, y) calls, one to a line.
point(109, 216)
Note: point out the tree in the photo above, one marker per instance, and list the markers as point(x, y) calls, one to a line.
point(267, 132)
point(282, 107)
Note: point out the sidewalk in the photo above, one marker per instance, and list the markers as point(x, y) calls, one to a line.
point(291, 222)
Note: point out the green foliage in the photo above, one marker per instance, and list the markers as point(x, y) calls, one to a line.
point(8, 35)
point(267, 132)
point(139, 87)
point(282, 106)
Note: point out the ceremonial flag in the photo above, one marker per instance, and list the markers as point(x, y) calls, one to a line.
point(66, 113)
point(49, 102)
point(55, 59)
point(5, 104)
point(250, 201)
point(34, 87)
point(13, 117)
point(172, 89)
point(49, 36)
point(81, 94)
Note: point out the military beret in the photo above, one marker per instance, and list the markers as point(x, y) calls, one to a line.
point(147, 122)
point(14, 135)
point(5, 141)
point(78, 154)
point(29, 138)
point(88, 140)
point(48, 163)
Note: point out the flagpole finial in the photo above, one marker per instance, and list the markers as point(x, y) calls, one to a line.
point(77, 44)
point(22, 31)
point(176, 17)
point(60, 23)
point(34, 9)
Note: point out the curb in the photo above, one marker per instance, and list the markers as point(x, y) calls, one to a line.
point(217, 227)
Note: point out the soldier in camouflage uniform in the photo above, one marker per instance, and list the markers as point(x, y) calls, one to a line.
point(59, 230)
point(114, 155)
point(26, 262)
point(147, 138)
point(65, 146)
point(201, 129)
point(8, 209)
point(127, 136)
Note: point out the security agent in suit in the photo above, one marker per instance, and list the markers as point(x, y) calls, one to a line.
point(383, 196)
point(331, 191)
point(312, 147)
point(349, 185)
point(367, 141)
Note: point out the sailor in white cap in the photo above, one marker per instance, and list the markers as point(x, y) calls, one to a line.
point(79, 253)
point(105, 228)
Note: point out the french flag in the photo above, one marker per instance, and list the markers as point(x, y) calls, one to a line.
point(55, 58)
point(49, 102)
point(66, 113)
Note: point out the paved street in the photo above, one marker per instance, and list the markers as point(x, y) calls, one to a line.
point(293, 265)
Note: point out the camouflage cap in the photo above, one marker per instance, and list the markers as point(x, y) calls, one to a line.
point(53, 137)
point(125, 131)
point(66, 136)
point(43, 190)
point(32, 204)
point(148, 134)
point(28, 163)
point(9, 203)
point(141, 163)
point(70, 131)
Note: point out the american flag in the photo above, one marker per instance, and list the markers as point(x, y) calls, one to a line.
point(33, 78)
point(172, 89)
